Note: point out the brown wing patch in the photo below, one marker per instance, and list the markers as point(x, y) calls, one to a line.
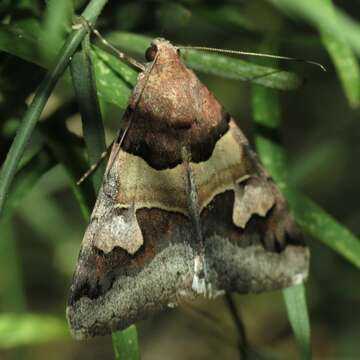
point(169, 107)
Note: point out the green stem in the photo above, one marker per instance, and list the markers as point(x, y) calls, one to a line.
point(45, 89)
point(236, 316)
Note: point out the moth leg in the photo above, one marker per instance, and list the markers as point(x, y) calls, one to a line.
point(121, 55)
point(95, 165)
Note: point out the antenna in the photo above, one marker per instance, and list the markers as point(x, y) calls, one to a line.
point(247, 53)
point(121, 55)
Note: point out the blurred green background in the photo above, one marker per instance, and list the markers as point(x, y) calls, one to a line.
point(42, 224)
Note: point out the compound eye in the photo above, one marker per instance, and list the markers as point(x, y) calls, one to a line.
point(178, 51)
point(151, 53)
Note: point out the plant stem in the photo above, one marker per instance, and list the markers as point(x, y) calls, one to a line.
point(242, 342)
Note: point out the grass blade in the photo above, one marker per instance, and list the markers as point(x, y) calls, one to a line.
point(56, 24)
point(295, 301)
point(345, 62)
point(26, 48)
point(319, 13)
point(42, 94)
point(125, 344)
point(114, 79)
point(319, 224)
point(85, 88)
point(237, 69)
point(266, 111)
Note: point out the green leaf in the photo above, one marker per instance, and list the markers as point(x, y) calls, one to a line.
point(215, 64)
point(85, 88)
point(295, 301)
point(236, 69)
point(345, 62)
point(320, 14)
point(114, 78)
point(125, 344)
point(266, 113)
point(347, 67)
point(41, 96)
point(57, 23)
point(319, 224)
point(23, 42)
point(27, 329)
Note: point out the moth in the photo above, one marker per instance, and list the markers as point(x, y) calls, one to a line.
point(185, 209)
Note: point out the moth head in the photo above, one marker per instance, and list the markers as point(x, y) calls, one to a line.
point(161, 50)
point(151, 52)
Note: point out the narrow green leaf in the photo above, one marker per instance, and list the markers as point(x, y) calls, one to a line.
point(27, 329)
point(125, 344)
point(345, 62)
point(319, 224)
point(320, 14)
point(24, 43)
point(266, 111)
point(25, 130)
point(347, 67)
point(295, 301)
point(56, 24)
point(58, 18)
point(85, 87)
point(232, 68)
point(114, 79)
point(220, 65)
